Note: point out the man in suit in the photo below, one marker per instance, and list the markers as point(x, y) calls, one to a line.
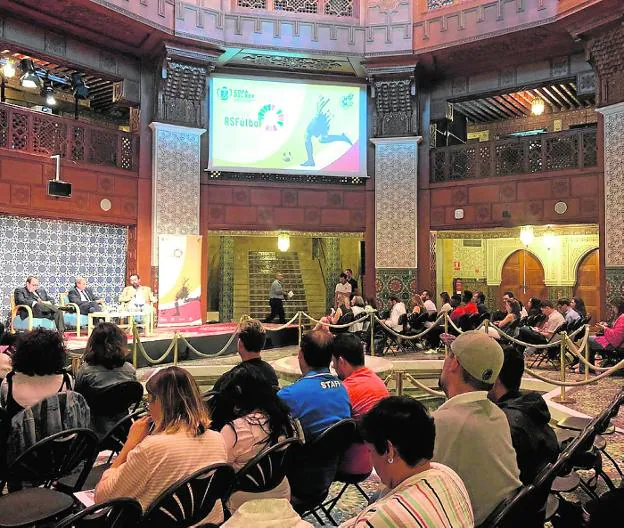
point(84, 297)
point(136, 296)
point(42, 305)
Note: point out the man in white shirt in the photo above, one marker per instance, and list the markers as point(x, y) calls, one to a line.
point(546, 332)
point(398, 309)
point(428, 302)
point(472, 434)
point(343, 289)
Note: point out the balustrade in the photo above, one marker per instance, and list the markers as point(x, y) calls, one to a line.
point(35, 132)
point(572, 149)
point(335, 8)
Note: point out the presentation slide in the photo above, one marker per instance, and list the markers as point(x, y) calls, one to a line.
point(287, 126)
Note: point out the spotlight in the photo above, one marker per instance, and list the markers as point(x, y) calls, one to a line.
point(48, 93)
point(29, 78)
point(8, 70)
point(79, 88)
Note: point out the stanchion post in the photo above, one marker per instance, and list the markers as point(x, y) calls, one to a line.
point(398, 379)
point(446, 332)
point(134, 348)
point(562, 398)
point(586, 352)
point(175, 349)
point(299, 330)
point(372, 334)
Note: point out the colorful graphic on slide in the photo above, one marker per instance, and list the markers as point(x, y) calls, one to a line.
point(287, 127)
point(179, 280)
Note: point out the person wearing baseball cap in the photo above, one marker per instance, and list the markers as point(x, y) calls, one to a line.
point(472, 434)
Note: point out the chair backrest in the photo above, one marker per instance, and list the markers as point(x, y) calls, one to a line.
point(117, 435)
point(115, 398)
point(54, 457)
point(562, 328)
point(267, 469)
point(332, 442)
point(191, 499)
point(115, 513)
point(63, 298)
point(464, 322)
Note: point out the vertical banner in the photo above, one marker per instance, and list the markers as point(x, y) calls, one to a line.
point(179, 280)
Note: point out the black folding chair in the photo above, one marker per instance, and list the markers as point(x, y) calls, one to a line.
point(393, 343)
point(316, 467)
point(267, 469)
point(191, 499)
point(115, 513)
point(41, 466)
point(549, 354)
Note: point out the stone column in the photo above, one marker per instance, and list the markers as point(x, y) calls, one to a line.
point(226, 273)
point(396, 220)
point(613, 116)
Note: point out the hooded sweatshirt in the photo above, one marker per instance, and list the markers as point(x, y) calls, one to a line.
point(533, 439)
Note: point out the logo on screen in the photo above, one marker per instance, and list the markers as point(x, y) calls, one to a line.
point(224, 93)
point(347, 101)
point(271, 118)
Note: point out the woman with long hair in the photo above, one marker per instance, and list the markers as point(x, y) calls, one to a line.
point(417, 304)
point(512, 307)
point(446, 302)
point(251, 418)
point(578, 305)
point(171, 443)
point(533, 306)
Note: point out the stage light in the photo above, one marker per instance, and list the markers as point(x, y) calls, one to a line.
point(526, 235)
point(537, 106)
point(79, 88)
point(29, 78)
point(8, 70)
point(48, 93)
point(283, 242)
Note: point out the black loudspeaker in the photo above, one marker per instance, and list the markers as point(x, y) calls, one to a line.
point(362, 257)
point(59, 188)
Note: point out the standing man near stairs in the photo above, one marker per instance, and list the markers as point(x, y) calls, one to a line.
point(276, 300)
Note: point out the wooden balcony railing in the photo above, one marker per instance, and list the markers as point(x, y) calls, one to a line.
point(40, 133)
point(572, 149)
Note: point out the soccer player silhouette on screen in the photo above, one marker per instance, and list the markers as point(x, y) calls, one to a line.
point(319, 128)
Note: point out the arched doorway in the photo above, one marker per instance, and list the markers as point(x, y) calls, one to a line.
point(588, 283)
point(512, 277)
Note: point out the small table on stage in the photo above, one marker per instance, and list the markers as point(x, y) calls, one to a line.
point(147, 319)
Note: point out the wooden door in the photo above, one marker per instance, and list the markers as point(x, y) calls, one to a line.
point(588, 283)
point(513, 274)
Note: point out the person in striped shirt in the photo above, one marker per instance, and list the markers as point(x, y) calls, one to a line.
point(401, 435)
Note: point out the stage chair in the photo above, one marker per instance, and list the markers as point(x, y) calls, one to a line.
point(26, 325)
point(115, 513)
point(191, 499)
point(73, 319)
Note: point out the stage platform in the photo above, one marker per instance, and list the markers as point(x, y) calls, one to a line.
point(208, 339)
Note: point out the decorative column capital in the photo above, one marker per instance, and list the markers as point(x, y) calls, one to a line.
point(396, 140)
point(605, 50)
point(156, 126)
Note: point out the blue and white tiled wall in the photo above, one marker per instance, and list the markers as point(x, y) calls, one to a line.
point(57, 251)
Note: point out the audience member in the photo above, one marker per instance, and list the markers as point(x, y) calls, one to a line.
point(512, 307)
point(135, 296)
point(397, 310)
point(472, 434)
point(510, 295)
point(352, 281)
point(456, 300)
point(84, 297)
point(479, 299)
point(612, 336)
point(266, 513)
point(532, 437)
point(427, 300)
point(446, 302)
point(180, 444)
point(467, 307)
point(7, 348)
point(417, 304)
point(251, 418)
point(38, 371)
point(104, 365)
point(318, 399)
point(545, 332)
point(420, 492)
point(534, 306)
point(579, 305)
point(365, 389)
point(571, 315)
point(342, 290)
point(358, 308)
point(41, 303)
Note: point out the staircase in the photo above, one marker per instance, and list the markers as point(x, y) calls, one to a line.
point(314, 287)
point(263, 265)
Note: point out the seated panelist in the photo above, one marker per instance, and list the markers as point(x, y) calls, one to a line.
point(84, 297)
point(40, 302)
point(136, 296)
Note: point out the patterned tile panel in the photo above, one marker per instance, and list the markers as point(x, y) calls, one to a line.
point(226, 291)
point(400, 282)
point(57, 251)
point(614, 184)
point(396, 182)
point(615, 286)
point(176, 173)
